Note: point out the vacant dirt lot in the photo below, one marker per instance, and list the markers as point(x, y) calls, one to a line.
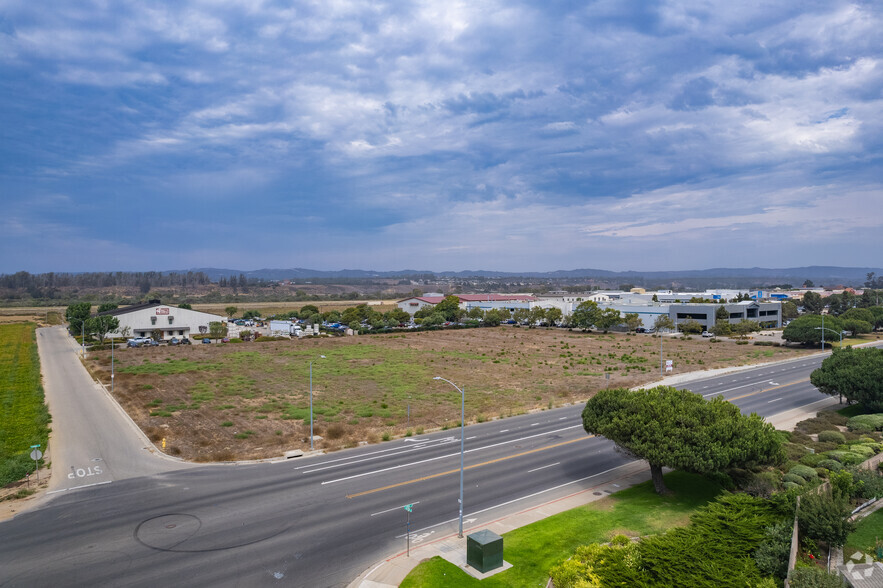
point(250, 400)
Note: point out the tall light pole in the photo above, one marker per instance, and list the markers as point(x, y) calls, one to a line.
point(462, 437)
point(823, 329)
point(311, 401)
point(112, 345)
point(83, 337)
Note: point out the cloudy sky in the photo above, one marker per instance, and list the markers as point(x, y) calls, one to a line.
point(440, 135)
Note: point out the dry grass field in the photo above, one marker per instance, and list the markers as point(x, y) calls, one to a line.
point(251, 400)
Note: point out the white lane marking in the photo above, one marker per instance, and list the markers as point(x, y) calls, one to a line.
point(473, 437)
point(478, 512)
point(534, 424)
point(774, 400)
point(711, 394)
point(345, 461)
point(773, 383)
point(505, 431)
point(405, 465)
point(78, 487)
point(394, 508)
point(543, 467)
point(562, 418)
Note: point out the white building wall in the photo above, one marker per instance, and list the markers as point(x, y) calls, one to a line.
point(171, 320)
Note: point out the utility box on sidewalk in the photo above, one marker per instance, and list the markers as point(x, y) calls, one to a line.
point(484, 551)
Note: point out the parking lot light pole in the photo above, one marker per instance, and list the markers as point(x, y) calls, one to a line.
point(311, 401)
point(462, 437)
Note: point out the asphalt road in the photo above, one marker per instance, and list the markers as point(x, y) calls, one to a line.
point(321, 521)
point(93, 440)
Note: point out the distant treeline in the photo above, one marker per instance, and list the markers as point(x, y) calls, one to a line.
point(37, 283)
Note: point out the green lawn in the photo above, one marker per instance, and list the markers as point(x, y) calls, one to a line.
point(865, 535)
point(534, 549)
point(24, 418)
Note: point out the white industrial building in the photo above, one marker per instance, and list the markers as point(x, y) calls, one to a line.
point(485, 302)
point(142, 320)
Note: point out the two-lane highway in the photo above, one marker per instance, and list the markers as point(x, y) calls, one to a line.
point(321, 521)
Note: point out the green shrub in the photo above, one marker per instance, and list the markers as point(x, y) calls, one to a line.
point(874, 421)
point(812, 459)
point(790, 485)
point(794, 478)
point(794, 451)
point(845, 457)
point(815, 577)
point(830, 464)
point(771, 556)
point(863, 450)
point(832, 437)
point(805, 472)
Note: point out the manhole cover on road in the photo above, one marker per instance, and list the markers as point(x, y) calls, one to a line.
point(168, 531)
point(187, 533)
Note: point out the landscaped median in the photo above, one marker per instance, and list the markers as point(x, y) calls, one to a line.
point(24, 418)
point(535, 549)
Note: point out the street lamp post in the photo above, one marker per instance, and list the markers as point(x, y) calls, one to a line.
point(83, 337)
point(462, 437)
point(823, 329)
point(311, 401)
point(112, 345)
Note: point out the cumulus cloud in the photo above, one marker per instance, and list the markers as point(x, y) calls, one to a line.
point(511, 133)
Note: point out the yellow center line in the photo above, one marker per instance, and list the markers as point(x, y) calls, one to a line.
point(766, 390)
point(477, 465)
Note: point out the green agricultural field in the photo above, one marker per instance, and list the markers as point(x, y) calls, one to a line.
point(24, 418)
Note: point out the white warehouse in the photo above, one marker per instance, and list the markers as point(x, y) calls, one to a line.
point(143, 319)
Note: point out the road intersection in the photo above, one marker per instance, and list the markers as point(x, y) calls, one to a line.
point(319, 521)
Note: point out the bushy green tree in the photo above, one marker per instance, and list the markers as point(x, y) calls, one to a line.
point(678, 429)
point(553, 315)
point(632, 321)
point(217, 330)
point(495, 316)
point(585, 315)
point(608, 318)
point(857, 374)
point(813, 303)
point(185, 306)
point(789, 310)
point(105, 306)
point(825, 517)
point(808, 329)
point(230, 311)
point(102, 325)
point(690, 327)
point(663, 322)
point(771, 556)
point(77, 314)
point(449, 308)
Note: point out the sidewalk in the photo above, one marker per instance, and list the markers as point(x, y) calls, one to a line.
point(392, 571)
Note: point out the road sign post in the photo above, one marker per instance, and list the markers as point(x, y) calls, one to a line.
point(36, 454)
point(408, 509)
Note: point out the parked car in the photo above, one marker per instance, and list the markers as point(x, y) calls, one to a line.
point(140, 341)
point(174, 341)
point(707, 334)
point(640, 330)
point(185, 341)
point(152, 343)
point(206, 340)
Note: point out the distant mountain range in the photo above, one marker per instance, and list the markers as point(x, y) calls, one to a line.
point(828, 275)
